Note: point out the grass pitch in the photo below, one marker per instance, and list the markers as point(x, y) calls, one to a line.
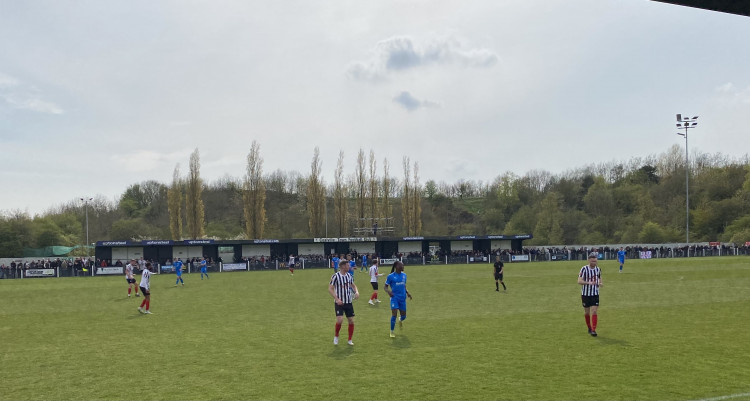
point(669, 329)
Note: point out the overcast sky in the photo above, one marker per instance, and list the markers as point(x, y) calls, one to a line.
point(98, 95)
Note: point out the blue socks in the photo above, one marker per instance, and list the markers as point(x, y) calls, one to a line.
point(393, 322)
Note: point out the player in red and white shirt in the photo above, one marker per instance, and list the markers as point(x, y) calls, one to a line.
point(130, 277)
point(590, 280)
point(374, 274)
point(146, 289)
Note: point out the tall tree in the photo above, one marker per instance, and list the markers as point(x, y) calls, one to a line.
point(372, 193)
point(416, 207)
point(196, 224)
point(387, 209)
point(316, 197)
point(406, 198)
point(339, 197)
point(254, 194)
point(174, 204)
point(361, 194)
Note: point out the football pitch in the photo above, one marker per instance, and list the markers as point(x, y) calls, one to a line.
point(669, 329)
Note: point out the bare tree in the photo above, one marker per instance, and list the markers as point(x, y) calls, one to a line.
point(387, 209)
point(174, 203)
point(361, 195)
point(416, 207)
point(194, 201)
point(339, 197)
point(316, 197)
point(406, 198)
point(254, 194)
point(372, 194)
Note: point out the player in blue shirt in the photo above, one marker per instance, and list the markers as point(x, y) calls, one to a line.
point(204, 268)
point(178, 271)
point(621, 257)
point(335, 260)
point(364, 263)
point(352, 265)
point(395, 286)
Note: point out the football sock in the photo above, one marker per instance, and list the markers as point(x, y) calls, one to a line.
point(148, 304)
point(129, 290)
point(588, 321)
point(351, 330)
point(177, 282)
point(338, 329)
point(504, 287)
point(143, 303)
point(497, 286)
point(393, 322)
point(593, 322)
point(403, 317)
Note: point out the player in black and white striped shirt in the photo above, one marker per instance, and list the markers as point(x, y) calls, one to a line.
point(590, 279)
point(339, 288)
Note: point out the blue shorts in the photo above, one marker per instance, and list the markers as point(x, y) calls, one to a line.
point(399, 304)
point(203, 270)
point(178, 272)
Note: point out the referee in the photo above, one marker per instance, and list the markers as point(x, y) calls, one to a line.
point(590, 279)
point(339, 288)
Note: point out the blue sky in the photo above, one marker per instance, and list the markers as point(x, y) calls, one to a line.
point(96, 96)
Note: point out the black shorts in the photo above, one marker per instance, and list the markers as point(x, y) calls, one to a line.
point(374, 285)
point(145, 291)
point(130, 280)
point(589, 300)
point(499, 276)
point(345, 310)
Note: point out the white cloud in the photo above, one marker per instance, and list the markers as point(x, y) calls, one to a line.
point(401, 53)
point(19, 96)
point(409, 102)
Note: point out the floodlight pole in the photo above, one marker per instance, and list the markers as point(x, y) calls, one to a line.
point(686, 123)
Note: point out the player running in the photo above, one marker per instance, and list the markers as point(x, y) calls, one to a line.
point(395, 286)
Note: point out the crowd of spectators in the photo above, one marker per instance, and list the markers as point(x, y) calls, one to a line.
point(84, 266)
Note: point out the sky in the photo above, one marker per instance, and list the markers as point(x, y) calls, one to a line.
point(96, 96)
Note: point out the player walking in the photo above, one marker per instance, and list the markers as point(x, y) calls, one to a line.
point(130, 277)
point(590, 279)
point(291, 264)
point(146, 289)
point(178, 271)
point(374, 274)
point(499, 269)
point(621, 257)
point(340, 288)
point(395, 286)
point(204, 268)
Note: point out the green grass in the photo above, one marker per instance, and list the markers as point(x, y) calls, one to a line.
point(673, 329)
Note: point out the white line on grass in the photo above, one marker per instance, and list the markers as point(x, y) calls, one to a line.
point(726, 397)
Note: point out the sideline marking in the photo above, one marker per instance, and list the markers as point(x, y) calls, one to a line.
point(726, 397)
